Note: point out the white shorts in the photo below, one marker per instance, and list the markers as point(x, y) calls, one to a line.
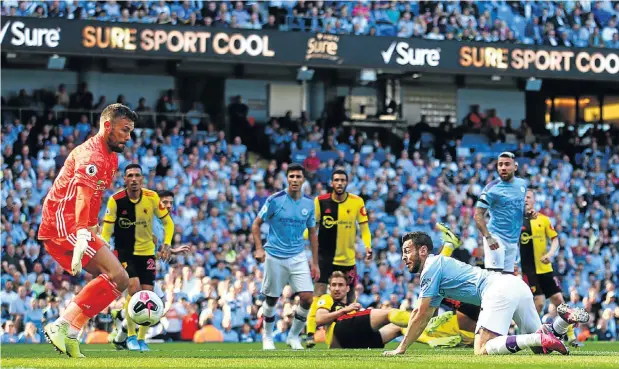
point(507, 297)
point(503, 258)
point(280, 272)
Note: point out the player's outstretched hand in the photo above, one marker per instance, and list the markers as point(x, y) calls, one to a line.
point(180, 250)
point(259, 255)
point(368, 254)
point(546, 259)
point(164, 253)
point(397, 351)
point(492, 243)
point(315, 272)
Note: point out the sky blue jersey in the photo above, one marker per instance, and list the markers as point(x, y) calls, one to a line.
point(287, 219)
point(445, 277)
point(505, 203)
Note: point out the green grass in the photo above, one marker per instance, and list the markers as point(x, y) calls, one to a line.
point(245, 356)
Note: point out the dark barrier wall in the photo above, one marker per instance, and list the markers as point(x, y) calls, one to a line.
point(292, 48)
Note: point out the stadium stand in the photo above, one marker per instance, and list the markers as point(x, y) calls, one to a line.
point(554, 23)
point(212, 292)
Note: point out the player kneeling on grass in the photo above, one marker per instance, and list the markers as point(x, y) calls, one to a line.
point(502, 297)
point(349, 326)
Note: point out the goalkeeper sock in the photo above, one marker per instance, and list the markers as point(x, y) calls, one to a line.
point(511, 344)
point(142, 332)
point(311, 318)
point(130, 322)
point(122, 334)
point(560, 326)
point(300, 317)
point(399, 317)
point(268, 312)
point(448, 249)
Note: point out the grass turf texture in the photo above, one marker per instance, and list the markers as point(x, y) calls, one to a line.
point(246, 356)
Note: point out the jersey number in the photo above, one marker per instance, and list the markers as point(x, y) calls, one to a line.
point(150, 264)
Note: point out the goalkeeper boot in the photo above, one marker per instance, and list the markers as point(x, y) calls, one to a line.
point(572, 315)
point(73, 348)
point(309, 342)
point(57, 334)
point(436, 322)
point(132, 343)
point(117, 323)
point(143, 346)
point(449, 235)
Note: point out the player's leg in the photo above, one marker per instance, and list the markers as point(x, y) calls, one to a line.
point(272, 287)
point(390, 332)
point(134, 286)
point(320, 288)
point(512, 251)
point(525, 315)
point(381, 317)
point(494, 259)
point(111, 279)
point(146, 268)
point(301, 283)
point(451, 240)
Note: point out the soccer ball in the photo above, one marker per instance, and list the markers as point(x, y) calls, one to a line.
point(145, 308)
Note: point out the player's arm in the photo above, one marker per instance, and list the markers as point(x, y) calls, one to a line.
point(317, 216)
point(481, 208)
point(554, 246)
point(325, 317)
point(109, 219)
point(416, 325)
point(364, 227)
point(313, 238)
point(263, 215)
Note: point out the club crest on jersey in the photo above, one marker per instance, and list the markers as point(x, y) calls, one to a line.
point(91, 170)
point(304, 212)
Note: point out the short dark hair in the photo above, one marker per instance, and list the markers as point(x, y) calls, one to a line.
point(295, 167)
point(116, 111)
point(507, 154)
point(339, 171)
point(338, 274)
point(133, 166)
point(419, 239)
point(166, 193)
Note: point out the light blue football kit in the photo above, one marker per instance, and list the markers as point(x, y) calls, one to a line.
point(505, 204)
point(502, 297)
point(285, 260)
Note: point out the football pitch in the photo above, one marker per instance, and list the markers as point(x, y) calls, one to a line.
point(246, 356)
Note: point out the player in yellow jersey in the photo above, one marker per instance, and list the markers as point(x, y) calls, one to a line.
point(349, 326)
point(337, 216)
point(535, 259)
point(129, 218)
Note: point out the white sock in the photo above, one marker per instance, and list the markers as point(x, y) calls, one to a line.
point(300, 318)
point(511, 344)
point(269, 319)
point(560, 326)
point(122, 332)
point(73, 332)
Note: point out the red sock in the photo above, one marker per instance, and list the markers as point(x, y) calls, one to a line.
point(97, 295)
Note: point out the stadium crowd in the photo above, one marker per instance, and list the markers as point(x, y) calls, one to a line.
point(212, 292)
point(553, 23)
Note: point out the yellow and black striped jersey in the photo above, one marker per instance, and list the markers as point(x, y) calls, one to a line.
point(131, 222)
point(337, 227)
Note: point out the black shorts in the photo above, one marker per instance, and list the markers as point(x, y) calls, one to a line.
point(542, 284)
point(470, 310)
point(354, 331)
point(138, 266)
point(327, 268)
